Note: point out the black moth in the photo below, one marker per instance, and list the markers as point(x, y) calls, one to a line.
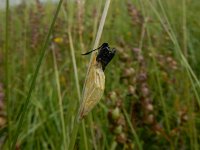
point(105, 54)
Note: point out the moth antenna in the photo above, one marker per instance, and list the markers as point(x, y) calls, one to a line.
point(92, 51)
point(89, 52)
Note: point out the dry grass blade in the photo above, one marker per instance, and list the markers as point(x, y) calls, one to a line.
point(102, 22)
point(100, 83)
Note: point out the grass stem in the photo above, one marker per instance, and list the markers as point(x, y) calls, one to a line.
point(7, 74)
point(100, 30)
point(59, 97)
point(24, 108)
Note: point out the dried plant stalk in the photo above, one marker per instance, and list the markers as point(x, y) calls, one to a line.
point(95, 79)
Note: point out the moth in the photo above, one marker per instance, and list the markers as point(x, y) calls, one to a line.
point(95, 79)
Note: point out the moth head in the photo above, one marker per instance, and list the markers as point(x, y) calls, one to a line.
point(105, 55)
point(104, 45)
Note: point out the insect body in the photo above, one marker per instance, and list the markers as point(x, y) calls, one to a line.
point(95, 79)
point(105, 55)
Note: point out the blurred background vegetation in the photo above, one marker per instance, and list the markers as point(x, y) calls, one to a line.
point(151, 98)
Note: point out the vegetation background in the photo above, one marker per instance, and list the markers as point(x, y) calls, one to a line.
point(151, 98)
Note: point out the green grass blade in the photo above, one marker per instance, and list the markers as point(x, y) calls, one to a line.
point(43, 50)
point(59, 97)
point(7, 74)
point(133, 131)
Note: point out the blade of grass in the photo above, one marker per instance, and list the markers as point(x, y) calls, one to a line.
point(96, 43)
point(102, 22)
point(74, 64)
point(59, 97)
point(7, 74)
point(183, 59)
point(24, 107)
point(157, 78)
point(76, 81)
point(133, 131)
point(77, 87)
point(166, 115)
point(97, 40)
point(192, 123)
point(185, 30)
point(96, 20)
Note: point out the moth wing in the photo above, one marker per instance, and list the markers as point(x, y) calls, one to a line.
point(94, 88)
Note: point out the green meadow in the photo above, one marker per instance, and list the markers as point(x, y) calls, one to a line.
point(152, 89)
